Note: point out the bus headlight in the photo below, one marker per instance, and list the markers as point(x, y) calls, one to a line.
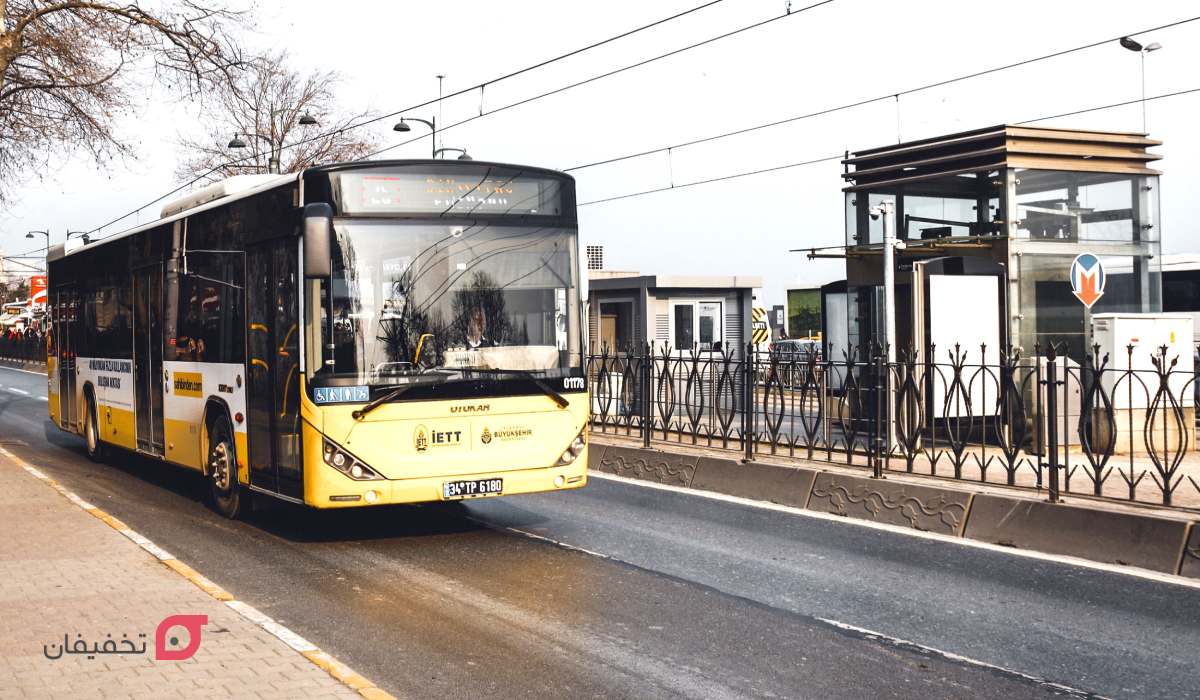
point(348, 464)
point(573, 450)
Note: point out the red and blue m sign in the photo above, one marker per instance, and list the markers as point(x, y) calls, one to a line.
point(1087, 278)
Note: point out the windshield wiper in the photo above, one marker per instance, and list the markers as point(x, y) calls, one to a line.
point(525, 374)
point(358, 414)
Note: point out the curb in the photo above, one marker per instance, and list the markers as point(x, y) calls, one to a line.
point(341, 672)
point(1169, 545)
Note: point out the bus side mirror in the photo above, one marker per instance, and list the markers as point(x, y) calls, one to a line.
point(318, 238)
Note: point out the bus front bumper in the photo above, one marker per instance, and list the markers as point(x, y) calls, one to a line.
point(338, 491)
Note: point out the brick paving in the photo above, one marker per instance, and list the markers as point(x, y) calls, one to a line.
point(64, 572)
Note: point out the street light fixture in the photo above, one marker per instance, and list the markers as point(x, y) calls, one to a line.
point(81, 234)
point(463, 152)
point(402, 126)
point(45, 233)
point(307, 119)
point(1136, 47)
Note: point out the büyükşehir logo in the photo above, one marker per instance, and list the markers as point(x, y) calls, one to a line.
point(1087, 279)
point(486, 436)
point(420, 439)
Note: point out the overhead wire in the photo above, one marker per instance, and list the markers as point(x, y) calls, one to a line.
point(478, 86)
point(872, 100)
point(608, 74)
point(837, 157)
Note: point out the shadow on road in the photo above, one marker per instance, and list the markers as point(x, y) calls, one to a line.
point(290, 521)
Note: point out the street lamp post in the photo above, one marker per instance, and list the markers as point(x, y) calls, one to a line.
point(1136, 47)
point(402, 126)
point(45, 233)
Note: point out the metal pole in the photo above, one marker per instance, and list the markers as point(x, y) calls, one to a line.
point(647, 393)
point(748, 391)
point(440, 78)
point(433, 136)
point(1142, 53)
point(1052, 420)
point(888, 210)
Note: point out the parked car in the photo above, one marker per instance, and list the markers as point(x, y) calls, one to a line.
point(791, 357)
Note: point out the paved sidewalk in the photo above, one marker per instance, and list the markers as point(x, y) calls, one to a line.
point(67, 574)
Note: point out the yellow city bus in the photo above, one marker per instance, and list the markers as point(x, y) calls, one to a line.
point(355, 334)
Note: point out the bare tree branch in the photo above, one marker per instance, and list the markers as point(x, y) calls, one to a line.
point(69, 69)
point(264, 108)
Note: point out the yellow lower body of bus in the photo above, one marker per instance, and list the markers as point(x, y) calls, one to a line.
point(418, 448)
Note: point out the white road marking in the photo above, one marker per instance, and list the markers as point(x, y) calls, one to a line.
point(25, 371)
point(15, 390)
point(870, 634)
point(43, 398)
point(951, 656)
point(1134, 571)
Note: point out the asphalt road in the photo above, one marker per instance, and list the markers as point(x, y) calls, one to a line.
point(655, 593)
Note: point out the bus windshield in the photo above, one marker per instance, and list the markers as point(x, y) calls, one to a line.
point(445, 301)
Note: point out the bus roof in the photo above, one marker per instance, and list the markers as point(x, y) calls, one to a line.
point(225, 191)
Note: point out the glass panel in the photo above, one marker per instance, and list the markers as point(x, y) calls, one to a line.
point(710, 326)
point(1081, 206)
point(412, 300)
point(1050, 311)
point(683, 326)
point(948, 206)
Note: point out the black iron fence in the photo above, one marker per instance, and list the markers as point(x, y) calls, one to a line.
point(1121, 427)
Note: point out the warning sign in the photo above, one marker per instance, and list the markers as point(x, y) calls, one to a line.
point(760, 330)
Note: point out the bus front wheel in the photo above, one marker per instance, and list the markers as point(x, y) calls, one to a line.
point(225, 493)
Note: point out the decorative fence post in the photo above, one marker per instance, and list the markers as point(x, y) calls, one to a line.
point(647, 394)
point(1051, 385)
point(748, 403)
point(879, 446)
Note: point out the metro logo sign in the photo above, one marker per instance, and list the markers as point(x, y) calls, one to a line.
point(1087, 279)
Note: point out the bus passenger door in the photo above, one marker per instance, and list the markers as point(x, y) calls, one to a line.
point(66, 335)
point(147, 357)
point(272, 338)
point(259, 361)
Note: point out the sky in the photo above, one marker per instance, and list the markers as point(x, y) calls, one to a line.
point(388, 54)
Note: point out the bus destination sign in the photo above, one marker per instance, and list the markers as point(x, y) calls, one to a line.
point(414, 193)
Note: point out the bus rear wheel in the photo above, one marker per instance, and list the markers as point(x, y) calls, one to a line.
point(225, 493)
point(91, 432)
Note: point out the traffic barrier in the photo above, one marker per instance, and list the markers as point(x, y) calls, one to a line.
point(926, 508)
point(647, 465)
point(789, 486)
point(1134, 539)
point(1085, 530)
point(1190, 559)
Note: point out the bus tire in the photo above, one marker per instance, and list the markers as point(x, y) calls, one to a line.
point(91, 431)
point(225, 493)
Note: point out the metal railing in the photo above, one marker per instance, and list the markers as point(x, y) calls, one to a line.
point(1121, 428)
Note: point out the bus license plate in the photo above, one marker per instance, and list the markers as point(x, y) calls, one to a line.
point(471, 488)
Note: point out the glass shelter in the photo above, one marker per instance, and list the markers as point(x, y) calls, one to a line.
point(1015, 204)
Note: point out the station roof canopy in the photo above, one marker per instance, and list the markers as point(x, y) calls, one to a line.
point(997, 147)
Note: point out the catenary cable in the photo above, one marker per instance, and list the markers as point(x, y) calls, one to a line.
point(839, 156)
point(872, 100)
point(463, 91)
